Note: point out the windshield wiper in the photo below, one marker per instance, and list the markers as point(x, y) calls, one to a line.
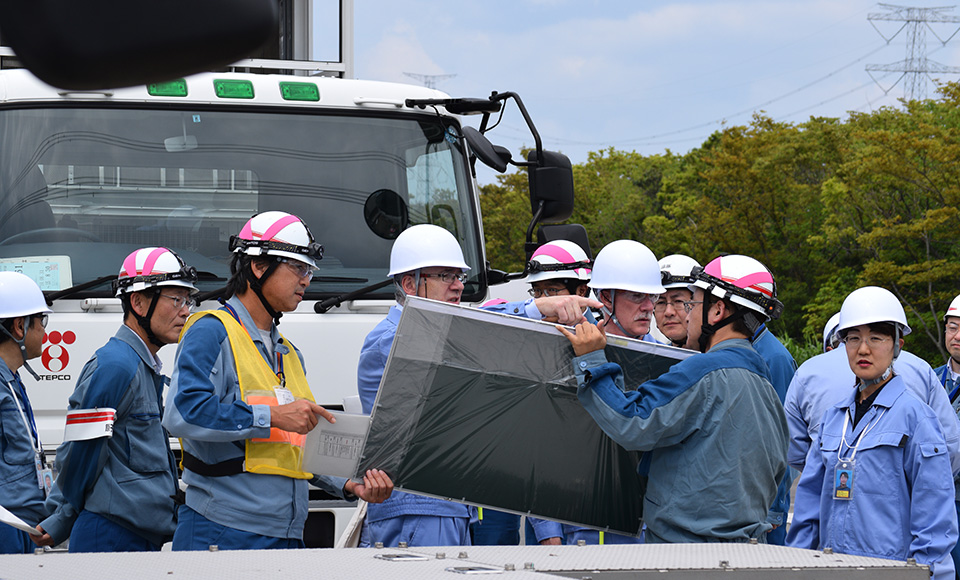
point(335, 301)
point(325, 305)
point(50, 297)
point(345, 280)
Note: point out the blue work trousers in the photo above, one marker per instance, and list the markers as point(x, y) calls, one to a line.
point(496, 528)
point(416, 531)
point(195, 532)
point(95, 533)
point(13, 541)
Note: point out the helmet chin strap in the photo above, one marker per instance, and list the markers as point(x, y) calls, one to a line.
point(867, 383)
point(707, 330)
point(144, 321)
point(22, 344)
point(256, 284)
point(613, 317)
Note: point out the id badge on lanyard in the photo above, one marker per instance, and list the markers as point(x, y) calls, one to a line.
point(843, 474)
point(44, 474)
point(843, 480)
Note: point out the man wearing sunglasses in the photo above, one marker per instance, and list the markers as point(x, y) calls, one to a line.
point(23, 315)
point(114, 489)
point(427, 261)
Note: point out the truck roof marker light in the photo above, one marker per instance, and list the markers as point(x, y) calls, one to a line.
point(299, 91)
point(233, 89)
point(176, 88)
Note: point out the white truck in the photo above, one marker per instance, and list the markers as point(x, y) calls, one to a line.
point(86, 177)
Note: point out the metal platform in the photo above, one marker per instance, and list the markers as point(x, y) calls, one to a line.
point(673, 562)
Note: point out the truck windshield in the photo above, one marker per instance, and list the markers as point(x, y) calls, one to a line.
point(80, 188)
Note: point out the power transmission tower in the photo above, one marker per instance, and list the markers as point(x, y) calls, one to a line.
point(429, 81)
point(916, 67)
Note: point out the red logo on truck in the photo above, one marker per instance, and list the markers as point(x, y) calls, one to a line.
point(55, 357)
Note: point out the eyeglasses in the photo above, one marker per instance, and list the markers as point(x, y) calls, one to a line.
point(661, 305)
point(689, 304)
point(639, 297)
point(541, 292)
point(447, 277)
point(179, 301)
point(873, 341)
point(953, 328)
point(43, 318)
point(302, 270)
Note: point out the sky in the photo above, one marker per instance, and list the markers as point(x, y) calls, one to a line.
point(646, 75)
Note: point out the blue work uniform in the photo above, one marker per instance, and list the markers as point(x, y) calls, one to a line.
point(951, 386)
point(128, 479)
point(901, 489)
point(405, 517)
point(712, 428)
point(20, 490)
point(782, 368)
point(205, 409)
point(823, 381)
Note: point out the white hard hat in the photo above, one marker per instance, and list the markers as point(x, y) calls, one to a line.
point(557, 254)
point(953, 309)
point(741, 280)
point(626, 265)
point(149, 267)
point(277, 233)
point(20, 296)
point(677, 270)
point(869, 305)
point(425, 246)
point(829, 330)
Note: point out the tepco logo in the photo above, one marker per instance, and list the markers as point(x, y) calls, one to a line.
point(55, 357)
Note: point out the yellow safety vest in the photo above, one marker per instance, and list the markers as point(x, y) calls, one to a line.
point(282, 452)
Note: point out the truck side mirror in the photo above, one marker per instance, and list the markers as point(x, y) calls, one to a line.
point(493, 156)
point(551, 184)
point(100, 44)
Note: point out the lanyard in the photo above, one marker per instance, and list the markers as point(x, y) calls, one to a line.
point(279, 372)
point(31, 427)
point(843, 436)
point(948, 378)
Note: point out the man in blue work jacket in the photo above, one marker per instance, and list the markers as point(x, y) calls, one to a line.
point(753, 277)
point(712, 426)
point(115, 491)
point(240, 402)
point(949, 376)
point(23, 315)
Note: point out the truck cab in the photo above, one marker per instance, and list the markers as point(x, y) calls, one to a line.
point(86, 177)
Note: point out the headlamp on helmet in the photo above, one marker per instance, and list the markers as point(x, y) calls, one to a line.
point(770, 307)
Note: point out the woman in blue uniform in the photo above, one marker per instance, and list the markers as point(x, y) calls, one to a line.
point(897, 499)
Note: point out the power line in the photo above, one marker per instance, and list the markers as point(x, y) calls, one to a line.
point(647, 138)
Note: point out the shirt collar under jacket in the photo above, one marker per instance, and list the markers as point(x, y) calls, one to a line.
point(6, 375)
point(888, 395)
point(732, 343)
point(247, 321)
point(127, 335)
